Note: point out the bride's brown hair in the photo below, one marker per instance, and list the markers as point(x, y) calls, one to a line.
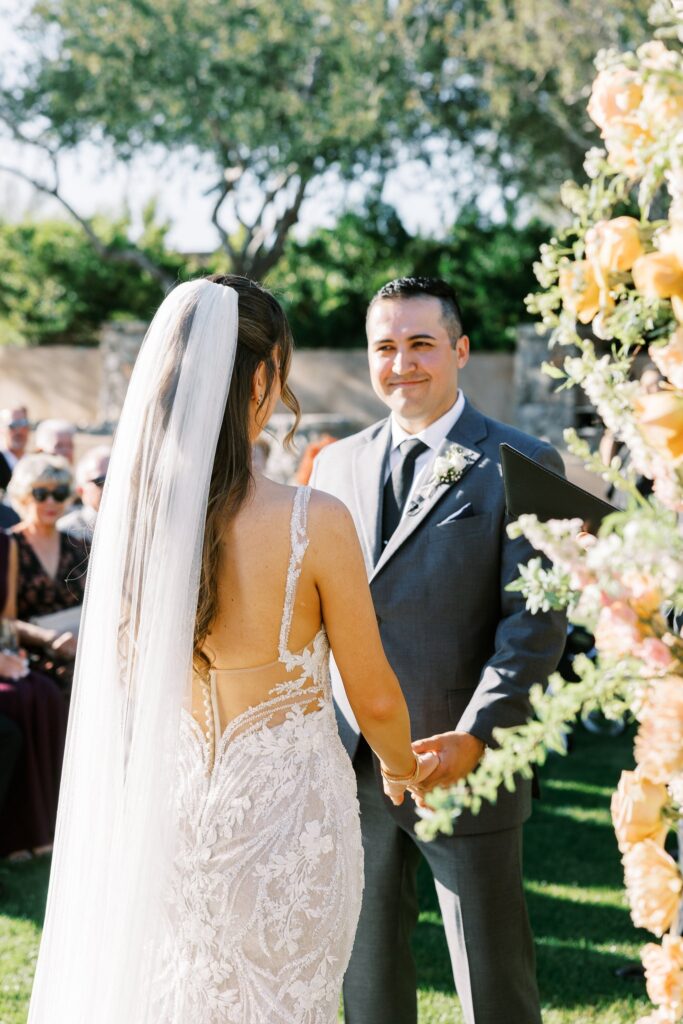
point(263, 336)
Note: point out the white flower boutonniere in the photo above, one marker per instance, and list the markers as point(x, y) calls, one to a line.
point(447, 469)
point(450, 466)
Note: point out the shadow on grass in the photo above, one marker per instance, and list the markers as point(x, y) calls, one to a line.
point(23, 889)
point(562, 851)
point(558, 851)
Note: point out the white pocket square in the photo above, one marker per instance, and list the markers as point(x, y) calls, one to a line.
point(464, 512)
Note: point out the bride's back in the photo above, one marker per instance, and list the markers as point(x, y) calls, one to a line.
point(243, 643)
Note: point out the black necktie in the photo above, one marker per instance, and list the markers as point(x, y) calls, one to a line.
point(397, 488)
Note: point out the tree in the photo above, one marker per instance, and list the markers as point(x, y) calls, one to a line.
point(275, 98)
point(510, 82)
point(270, 96)
point(327, 280)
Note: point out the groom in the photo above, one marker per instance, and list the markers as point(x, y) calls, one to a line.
point(465, 651)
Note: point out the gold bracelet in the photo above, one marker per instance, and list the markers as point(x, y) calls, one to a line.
point(403, 780)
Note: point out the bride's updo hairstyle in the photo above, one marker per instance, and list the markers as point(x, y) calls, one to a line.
point(263, 336)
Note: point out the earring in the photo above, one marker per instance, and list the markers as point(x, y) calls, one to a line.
point(260, 400)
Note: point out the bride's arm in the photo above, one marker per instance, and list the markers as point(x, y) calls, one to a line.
point(371, 686)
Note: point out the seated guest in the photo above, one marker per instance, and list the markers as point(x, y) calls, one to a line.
point(14, 431)
point(90, 475)
point(51, 566)
point(56, 437)
point(33, 715)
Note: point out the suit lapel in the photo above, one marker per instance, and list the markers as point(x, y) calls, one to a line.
point(469, 429)
point(368, 483)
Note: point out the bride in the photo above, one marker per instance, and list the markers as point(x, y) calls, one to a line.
point(208, 861)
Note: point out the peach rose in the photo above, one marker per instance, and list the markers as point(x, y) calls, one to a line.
point(624, 142)
point(579, 290)
point(660, 420)
point(618, 630)
point(669, 358)
point(662, 107)
point(614, 245)
point(659, 743)
point(636, 810)
point(656, 655)
point(616, 92)
point(664, 972)
point(658, 275)
point(644, 594)
point(653, 886)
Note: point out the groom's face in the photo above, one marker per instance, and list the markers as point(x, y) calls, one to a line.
point(414, 361)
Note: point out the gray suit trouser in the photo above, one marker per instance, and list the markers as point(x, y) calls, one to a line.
point(479, 886)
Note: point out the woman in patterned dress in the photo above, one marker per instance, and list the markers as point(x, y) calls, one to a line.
point(51, 566)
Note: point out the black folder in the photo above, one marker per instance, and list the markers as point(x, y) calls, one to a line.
point(532, 488)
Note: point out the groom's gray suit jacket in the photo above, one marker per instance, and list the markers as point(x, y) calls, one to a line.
point(465, 650)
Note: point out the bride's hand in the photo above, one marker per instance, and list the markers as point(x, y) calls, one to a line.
point(395, 790)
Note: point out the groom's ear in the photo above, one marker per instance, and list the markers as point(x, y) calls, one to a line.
point(462, 350)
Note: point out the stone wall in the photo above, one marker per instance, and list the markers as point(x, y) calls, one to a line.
point(58, 380)
point(540, 409)
point(87, 386)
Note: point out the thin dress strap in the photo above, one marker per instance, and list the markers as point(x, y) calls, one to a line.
point(299, 543)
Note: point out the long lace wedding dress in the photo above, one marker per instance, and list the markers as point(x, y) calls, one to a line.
point(266, 886)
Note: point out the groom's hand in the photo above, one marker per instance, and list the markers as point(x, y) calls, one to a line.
point(459, 754)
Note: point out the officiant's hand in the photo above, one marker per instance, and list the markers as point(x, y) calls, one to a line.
point(459, 754)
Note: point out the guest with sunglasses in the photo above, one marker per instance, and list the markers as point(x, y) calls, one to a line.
point(91, 471)
point(51, 566)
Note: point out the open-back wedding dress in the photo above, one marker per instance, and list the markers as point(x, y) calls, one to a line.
point(266, 887)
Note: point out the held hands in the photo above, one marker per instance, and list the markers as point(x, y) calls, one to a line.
point(395, 787)
point(458, 753)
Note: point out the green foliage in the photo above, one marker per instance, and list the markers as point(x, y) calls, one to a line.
point(510, 81)
point(57, 288)
point(327, 280)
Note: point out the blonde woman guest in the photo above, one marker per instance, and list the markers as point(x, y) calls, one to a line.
point(51, 566)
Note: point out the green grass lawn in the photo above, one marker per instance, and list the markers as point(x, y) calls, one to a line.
point(573, 876)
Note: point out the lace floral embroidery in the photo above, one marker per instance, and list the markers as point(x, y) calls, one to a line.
point(264, 898)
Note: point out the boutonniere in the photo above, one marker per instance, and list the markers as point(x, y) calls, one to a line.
point(447, 469)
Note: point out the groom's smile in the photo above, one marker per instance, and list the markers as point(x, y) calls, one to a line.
point(414, 358)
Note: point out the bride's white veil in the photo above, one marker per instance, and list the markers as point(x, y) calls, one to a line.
point(115, 835)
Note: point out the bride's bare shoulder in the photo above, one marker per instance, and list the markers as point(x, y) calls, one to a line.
point(330, 520)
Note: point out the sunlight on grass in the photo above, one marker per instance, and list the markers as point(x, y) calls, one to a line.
point(574, 889)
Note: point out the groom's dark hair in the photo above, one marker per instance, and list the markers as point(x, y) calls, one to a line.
point(414, 287)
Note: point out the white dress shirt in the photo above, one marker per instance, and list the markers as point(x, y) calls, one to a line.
point(433, 436)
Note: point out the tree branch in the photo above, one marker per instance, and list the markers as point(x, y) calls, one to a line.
point(130, 255)
point(224, 190)
point(265, 258)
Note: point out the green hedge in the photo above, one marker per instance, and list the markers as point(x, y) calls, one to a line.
point(57, 288)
